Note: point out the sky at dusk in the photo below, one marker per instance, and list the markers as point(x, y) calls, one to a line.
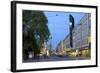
point(58, 24)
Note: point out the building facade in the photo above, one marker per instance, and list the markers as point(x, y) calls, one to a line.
point(81, 32)
point(44, 50)
point(81, 36)
point(60, 49)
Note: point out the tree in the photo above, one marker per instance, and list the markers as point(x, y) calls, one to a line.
point(35, 30)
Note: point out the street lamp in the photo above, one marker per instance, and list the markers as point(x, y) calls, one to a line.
point(70, 23)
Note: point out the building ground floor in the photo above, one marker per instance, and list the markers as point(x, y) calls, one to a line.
point(80, 52)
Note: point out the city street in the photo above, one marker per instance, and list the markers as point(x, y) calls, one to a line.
point(45, 42)
point(54, 58)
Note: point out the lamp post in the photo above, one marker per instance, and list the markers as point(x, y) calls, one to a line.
point(50, 45)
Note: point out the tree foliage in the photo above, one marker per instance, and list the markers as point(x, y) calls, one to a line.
point(35, 30)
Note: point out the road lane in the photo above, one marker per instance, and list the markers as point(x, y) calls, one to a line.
point(53, 58)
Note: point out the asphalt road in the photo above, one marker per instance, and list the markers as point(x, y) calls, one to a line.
point(53, 58)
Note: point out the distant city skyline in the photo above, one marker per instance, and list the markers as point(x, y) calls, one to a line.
point(58, 24)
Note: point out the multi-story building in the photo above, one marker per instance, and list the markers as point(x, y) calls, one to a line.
point(60, 49)
point(81, 35)
point(82, 32)
point(44, 50)
point(66, 42)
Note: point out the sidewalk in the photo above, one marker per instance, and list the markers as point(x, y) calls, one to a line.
point(81, 58)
